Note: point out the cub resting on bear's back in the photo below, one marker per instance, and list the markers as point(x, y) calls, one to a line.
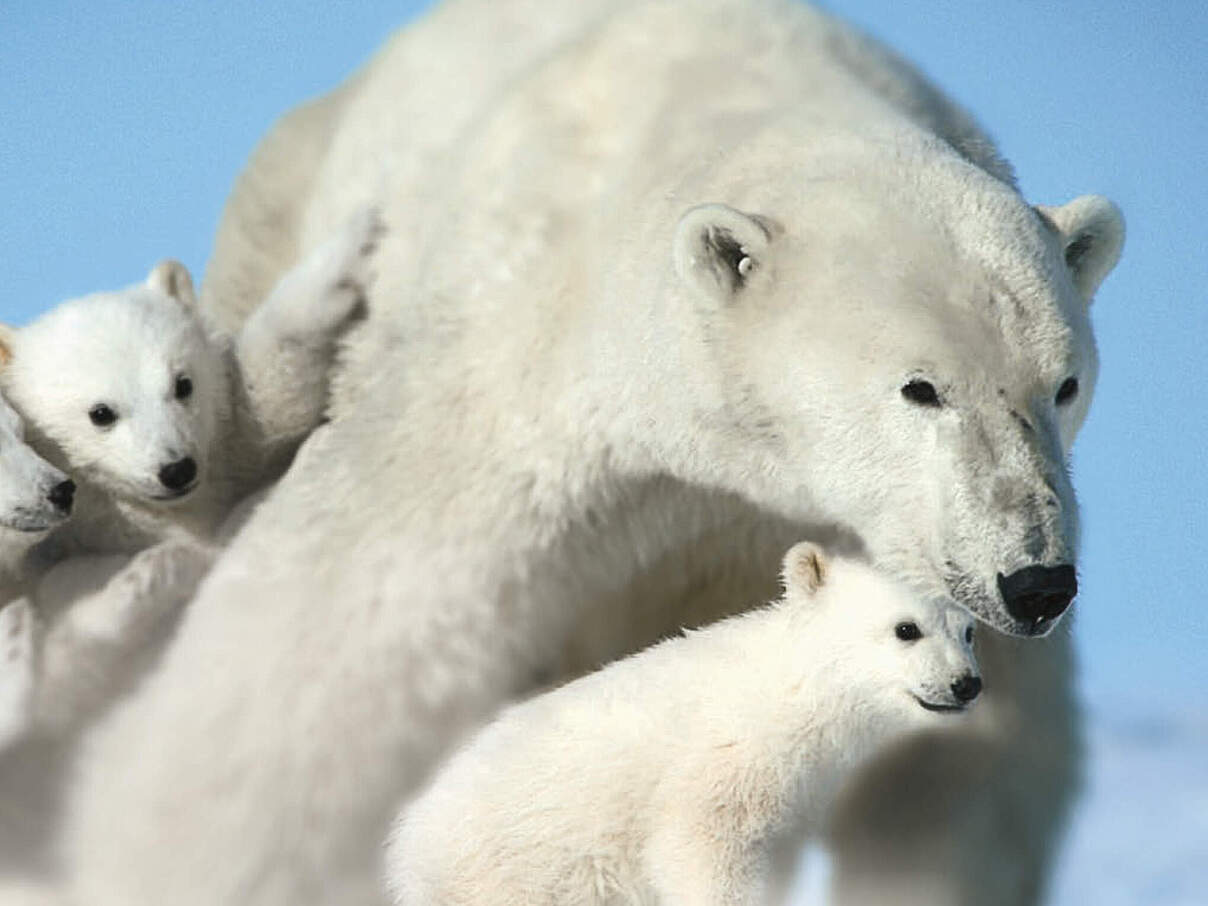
point(169, 428)
point(147, 409)
point(676, 774)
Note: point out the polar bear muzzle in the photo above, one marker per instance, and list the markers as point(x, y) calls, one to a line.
point(1038, 594)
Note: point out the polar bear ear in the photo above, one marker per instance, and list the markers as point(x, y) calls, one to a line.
point(172, 278)
point(805, 569)
point(719, 250)
point(1092, 233)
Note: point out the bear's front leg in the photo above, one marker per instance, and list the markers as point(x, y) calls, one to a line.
point(975, 815)
point(285, 348)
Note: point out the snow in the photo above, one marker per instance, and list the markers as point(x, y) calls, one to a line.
point(1140, 834)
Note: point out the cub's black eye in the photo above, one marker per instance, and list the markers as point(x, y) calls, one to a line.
point(921, 393)
point(969, 636)
point(908, 632)
point(1067, 391)
point(183, 388)
point(102, 416)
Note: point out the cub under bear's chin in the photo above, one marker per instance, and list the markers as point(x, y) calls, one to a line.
point(674, 774)
point(132, 393)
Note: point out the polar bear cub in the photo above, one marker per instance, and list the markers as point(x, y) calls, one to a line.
point(142, 402)
point(672, 776)
point(35, 497)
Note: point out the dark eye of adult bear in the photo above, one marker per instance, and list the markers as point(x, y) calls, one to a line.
point(184, 387)
point(921, 393)
point(102, 416)
point(1067, 391)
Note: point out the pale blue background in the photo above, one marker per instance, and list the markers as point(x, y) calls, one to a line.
point(122, 126)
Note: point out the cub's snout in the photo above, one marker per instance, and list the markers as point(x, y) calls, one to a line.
point(967, 688)
point(62, 496)
point(179, 476)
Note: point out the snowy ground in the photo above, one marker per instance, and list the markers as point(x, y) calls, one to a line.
point(1140, 837)
point(1142, 834)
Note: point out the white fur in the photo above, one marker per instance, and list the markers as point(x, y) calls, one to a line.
point(28, 893)
point(27, 513)
point(551, 445)
point(673, 776)
point(94, 627)
point(16, 668)
point(93, 622)
point(249, 402)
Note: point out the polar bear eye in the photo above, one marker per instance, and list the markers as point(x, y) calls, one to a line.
point(102, 416)
point(969, 636)
point(184, 387)
point(908, 631)
point(921, 393)
point(1067, 391)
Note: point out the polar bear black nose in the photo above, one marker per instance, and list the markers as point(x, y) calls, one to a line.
point(1038, 593)
point(62, 495)
point(179, 474)
point(967, 688)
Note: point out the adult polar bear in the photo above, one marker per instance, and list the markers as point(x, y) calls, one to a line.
point(668, 287)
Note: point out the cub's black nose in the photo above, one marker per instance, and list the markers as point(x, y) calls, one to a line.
point(62, 495)
point(967, 688)
point(177, 475)
point(1038, 593)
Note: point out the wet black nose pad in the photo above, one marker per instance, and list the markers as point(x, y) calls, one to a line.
point(1037, 593)
point(62, 495)
point(967, 688)
point(179, 474)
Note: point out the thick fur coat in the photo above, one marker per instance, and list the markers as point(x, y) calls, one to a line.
point(669, 286)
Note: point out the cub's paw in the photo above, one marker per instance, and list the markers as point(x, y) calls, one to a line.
point(159, 581)
point(344, 270)
point(16, 633)
point(17, 640)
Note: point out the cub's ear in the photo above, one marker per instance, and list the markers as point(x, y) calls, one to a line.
point(1092, 234)
point(718, 249)
point(804, 571)
point(8, 337)
point(172, 277)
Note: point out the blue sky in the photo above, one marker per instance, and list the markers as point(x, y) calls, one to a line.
point(124, 124)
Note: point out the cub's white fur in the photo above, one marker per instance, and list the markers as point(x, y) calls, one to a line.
point(676, 775)
point(93, 628)
point(132, 392)
point(35, 497)
point(91, 623)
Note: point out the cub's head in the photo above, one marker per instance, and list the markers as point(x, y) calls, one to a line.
point(908, 360)
point(127, 384)
point(913, 657)
point(34, 495)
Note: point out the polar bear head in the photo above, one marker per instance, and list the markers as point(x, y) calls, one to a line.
point(34, 495)
point(902, 655)
point(908, 360)
point(127, 384)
